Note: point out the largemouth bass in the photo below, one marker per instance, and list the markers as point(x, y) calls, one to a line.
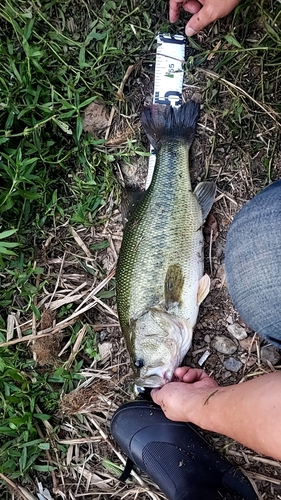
point(159, 278)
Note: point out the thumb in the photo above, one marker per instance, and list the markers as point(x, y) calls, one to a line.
point(200, 20)
point(154, 395)
point(211, 11)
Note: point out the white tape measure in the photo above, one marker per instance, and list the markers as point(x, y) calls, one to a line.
point(170, 56)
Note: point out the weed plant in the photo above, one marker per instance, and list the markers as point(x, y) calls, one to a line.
point(58, 57)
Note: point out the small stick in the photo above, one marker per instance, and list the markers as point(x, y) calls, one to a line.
point(120, 91)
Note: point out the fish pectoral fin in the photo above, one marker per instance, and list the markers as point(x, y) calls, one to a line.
point(205, 194)
point(203, 288)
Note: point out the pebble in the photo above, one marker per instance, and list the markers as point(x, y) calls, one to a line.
point(248, 343)
point(229, 319)
point(204, 358)
point(248, 360)
point(207, 338)
point(105, 351)
point(271, 354)
point(232, 364)
point(102, 335)
point(224, 345)
point(237, 331)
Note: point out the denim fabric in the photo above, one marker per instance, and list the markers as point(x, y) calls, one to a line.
point(253, 263)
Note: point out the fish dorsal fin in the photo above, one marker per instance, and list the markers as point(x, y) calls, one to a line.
point(203, 288)
point(205, 194)
point(173, 285)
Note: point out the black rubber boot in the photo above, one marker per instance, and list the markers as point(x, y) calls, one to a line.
point(175, 456)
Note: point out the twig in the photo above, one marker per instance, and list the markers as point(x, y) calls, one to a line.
point(96, 289)
point(76, 347)
point(120, 91)
point(22, 492)
point(42, 333)
point(210, 252)
point(261, 477)
point(80, 242)
point(57, 282)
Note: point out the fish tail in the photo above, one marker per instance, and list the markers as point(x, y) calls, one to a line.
point(165, 123)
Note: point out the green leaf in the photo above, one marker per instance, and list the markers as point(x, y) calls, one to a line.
point(4, 251)
point(8, 233)
point(44, 468)
point(28, 29)
point(42, 416)
point(7, 244)
point(22, 460)
point(64, 126)
point(44, 446)
point(230, 39)
point(86, 102)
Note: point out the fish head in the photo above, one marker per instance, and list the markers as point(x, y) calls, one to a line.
point(161, 342)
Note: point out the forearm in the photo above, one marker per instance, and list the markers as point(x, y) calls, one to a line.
point(249, 413)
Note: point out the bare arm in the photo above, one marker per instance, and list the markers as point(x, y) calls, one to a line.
point(249, 413)
point(204, 12)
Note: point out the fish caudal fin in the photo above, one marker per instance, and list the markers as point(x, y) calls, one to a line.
point(203, 288)
point(166, 122)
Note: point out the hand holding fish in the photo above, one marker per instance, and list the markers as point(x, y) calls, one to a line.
point(178, 399)
point(204, 12)
point(238, 411)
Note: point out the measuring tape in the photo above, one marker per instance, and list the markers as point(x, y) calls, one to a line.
point(170, 56)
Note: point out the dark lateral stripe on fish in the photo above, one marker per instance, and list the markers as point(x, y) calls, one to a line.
point(167, 123)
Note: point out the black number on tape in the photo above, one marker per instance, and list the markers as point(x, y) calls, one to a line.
point(168, 97)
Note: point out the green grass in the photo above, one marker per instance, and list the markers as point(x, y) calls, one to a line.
point(52, 173)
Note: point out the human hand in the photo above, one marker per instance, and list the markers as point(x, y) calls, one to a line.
point(179, 400)
point(204, 12)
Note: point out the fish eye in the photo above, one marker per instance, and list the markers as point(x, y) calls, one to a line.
point(139, 362)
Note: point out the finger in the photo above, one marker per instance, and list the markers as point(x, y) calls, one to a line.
point(154, 394)
point(194, 375)
point(191, 6)
point(180, 372)
point(174, 11)
point(210, 12)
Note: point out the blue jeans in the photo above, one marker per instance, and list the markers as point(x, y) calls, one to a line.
point(253, 263)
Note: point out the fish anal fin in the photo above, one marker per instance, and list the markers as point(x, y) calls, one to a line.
point(205, 194)
point(173, 285)
point(203, 288)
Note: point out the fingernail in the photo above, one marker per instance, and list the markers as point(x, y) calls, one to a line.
point(190, 31)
